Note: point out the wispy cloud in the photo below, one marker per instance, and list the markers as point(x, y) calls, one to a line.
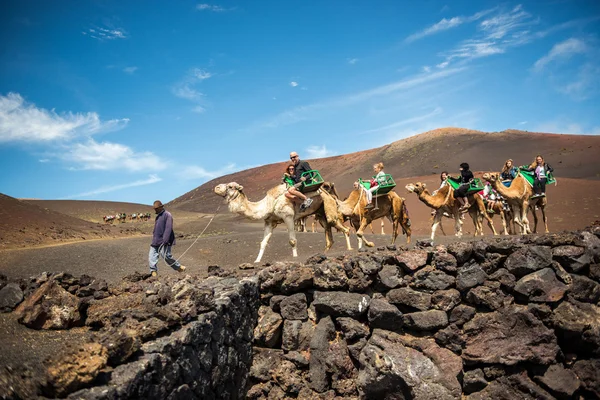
point(301, 113)
point(352, 61)
point(130, 70)
point(107, 156)
point(318, 152)
point(21, 121)
point(100, 33)
point(522, 122)
point(561, 50)
point(293, 84)
point(107, 189)
point(562, 125)
point(195, 172)
point(446, 24)
point(186, 88)
point(405, 122)
point(213, 8)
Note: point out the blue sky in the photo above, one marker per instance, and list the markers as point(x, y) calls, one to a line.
point(139, 100)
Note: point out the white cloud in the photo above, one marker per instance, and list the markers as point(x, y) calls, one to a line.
point(443, 64)
point(44, 160)
point(213, 8)
point(404, 122)
point(522, 122)
point(186, 88)
point(194, 172)
point(23, 121)
point(586, 83)
point(100, 33)
point(352, 61)
point(293, 84)
point(186, 92)
point(106, 189)
point(561, 50)
point(130, 70)
point(200, 74)
point(107, 156)
point(562, 125)
point(446, 24)
point(318, 152)
point(198, 110)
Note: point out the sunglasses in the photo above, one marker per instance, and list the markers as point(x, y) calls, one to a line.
point(291, 158)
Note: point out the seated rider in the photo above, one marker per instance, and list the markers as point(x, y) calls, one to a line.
point(443, 182)
point(379, 175)
point(490, 195)
point(460, 194)
point(300, 168)
point(540, 170)
point(509, 172)
point(288, 178)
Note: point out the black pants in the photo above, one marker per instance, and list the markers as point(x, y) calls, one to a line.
point(462, 190)
point(539, 185)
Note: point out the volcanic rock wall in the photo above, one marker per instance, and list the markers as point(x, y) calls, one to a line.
point(513, 318)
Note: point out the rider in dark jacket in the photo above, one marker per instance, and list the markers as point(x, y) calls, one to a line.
point(301, 167)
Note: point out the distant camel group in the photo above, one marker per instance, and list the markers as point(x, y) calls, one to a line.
point(123, 217)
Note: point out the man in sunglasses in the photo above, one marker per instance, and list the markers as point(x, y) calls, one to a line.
point(301, 167)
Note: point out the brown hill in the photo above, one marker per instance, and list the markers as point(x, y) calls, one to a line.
point(429, 153)
point(91, 210)
point(23, 224)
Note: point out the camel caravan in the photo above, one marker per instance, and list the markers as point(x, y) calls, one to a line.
point(123, 217)
point(303, 193)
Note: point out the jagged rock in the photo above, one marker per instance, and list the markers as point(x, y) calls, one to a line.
point(461, 314)
point(561, 382)
point(275, 302)
point(587, 371)
point(584, 289)
point(384, 315)
point(541, 287)
point(340, 304)
point(506, 279)
point(296, 335)
point(461, 250)
point(49, 307)
point(445, 300)
point(330, 275)
point(430, 279)
point(120, 345)
point(268, 330)
point(308, 394)
point(479, 250)
point(340, 366)
point(263, 363)
point(470, 276)
point(492, 262)
point(595, 272)
point(294, 307)
point(183, 392)
point(489, 295)
point(285, 278)
point(509, 336)
point(355, 348)
point(389, 277)
point(528, 259)
point(451, 338)
point(297, 358)
point(319, 348)
point(445, 262)
point(287, 377)
point(408, 367)
point(572, 258)
point(316, 258)
point(409, 298)
point(592, 245)
point(579, 324)
point(361, 272)
point(426, 320)
point(474, 381)
point(517, 386)
point(503, 246)
point(555, 239)
point(412, 260)
point(352, 329)
point(215, 270)
point(542, 311)
point(76, 369)
point(494, 372)
point(10, 296)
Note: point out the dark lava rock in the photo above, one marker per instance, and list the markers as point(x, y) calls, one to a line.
point(268, 330)
point(541, 287)
point(579, 325)
point(316, 259)
point(412, 260)
point(461, 250)
point(504, 246)
point(489, 296)
point(430, 279)
point(572, 258)
point(275, 302)
point(445, 262)
point(294, 307)
point(528, 259)
point(426, 320)
point(470, 276)
point(408, 367)
point(120, 344)
point(352, 329)
point(445, 300)
point(263, 363)
point(451, 338)
point(461, 314)
point(410, 298)
point(561, 382)
point(509, 336)
point(587, 371)
point(389, 277)
point(511, 387)
point(584, 289)
point(592, 245)
point(341, 304)
point(384, 315)
point(330, 275)
point(10, 296)
point(474, 381)
point(296, 335)
point(319, 349)
point(506, 279)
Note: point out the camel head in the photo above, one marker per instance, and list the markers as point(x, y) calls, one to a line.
point(329, 187)
point(229, 191)
point(490, 176)
point(416, 187)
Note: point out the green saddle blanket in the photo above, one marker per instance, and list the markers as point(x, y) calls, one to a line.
point(475, 186)
point(530, 177)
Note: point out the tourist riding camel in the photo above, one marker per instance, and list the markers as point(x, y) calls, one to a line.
point(275, 208)
point(300, 168)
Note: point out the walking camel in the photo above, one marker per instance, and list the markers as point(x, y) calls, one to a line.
point(275, 209)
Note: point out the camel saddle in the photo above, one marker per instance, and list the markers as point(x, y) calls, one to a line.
point(530, 177)
point(384, 185)
point(313, 181)
point(475, 186)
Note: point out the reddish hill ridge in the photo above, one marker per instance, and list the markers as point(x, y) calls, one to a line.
point(429, 153)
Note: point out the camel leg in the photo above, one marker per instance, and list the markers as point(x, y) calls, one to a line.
point(474, 214)
point(382, 227)
point(535, 218)
point(543, 210)
point(503, 219)
point(268, 232)
point(395, 224)
point(436, 221)
point(328, 237)
point(289, 223)
point(346, 231)
point(360, 233)
point(457, 224)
